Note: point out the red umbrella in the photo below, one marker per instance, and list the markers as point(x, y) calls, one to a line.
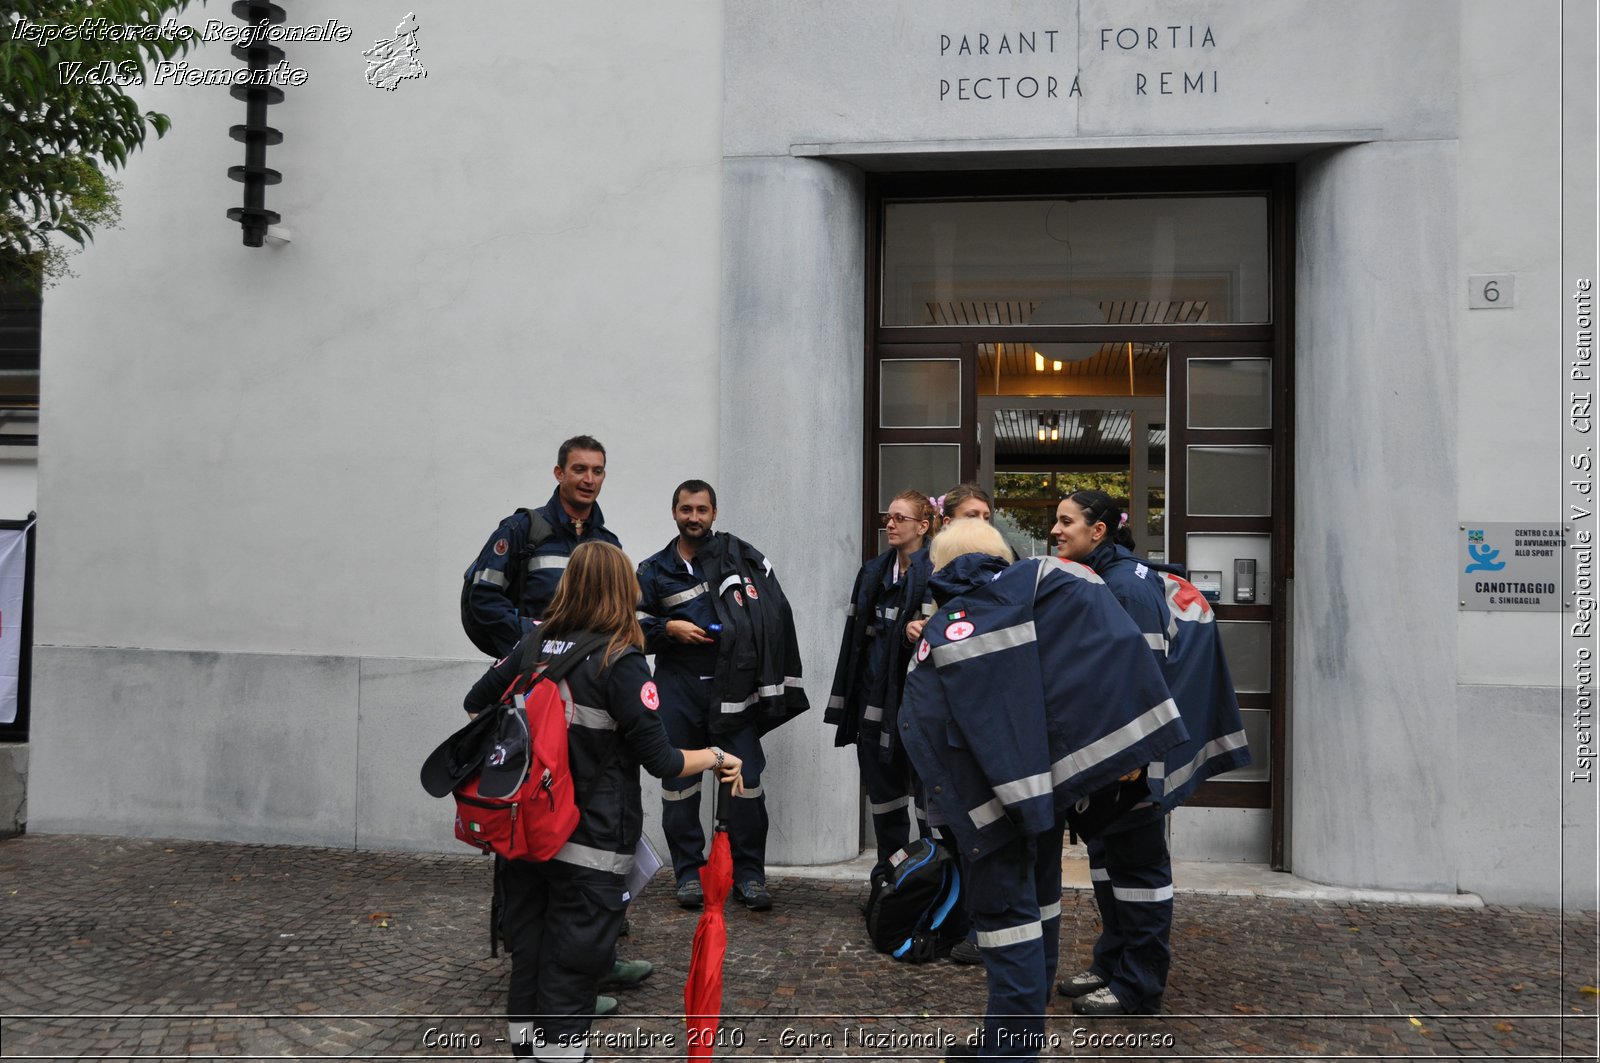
point(702, 993)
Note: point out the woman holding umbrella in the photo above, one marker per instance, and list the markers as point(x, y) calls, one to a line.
point(562, 916)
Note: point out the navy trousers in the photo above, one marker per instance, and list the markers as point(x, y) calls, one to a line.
point(562, 936)
point(888, 788)
point(686, 704)
point(1015, 902)
point(1132, 875)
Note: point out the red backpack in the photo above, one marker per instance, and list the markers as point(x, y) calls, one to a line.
point(515, 796)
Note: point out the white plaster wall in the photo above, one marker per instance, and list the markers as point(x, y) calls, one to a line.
point(1375, 466)
point(303, 446)
point(1510, 361)
point(790, 470)
point(836, 71)
point(270, 483)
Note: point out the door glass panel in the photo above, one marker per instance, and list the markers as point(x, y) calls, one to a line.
point(1230, 393)
point(1127, 259)
point(919, 393)
point(1248, 644)
point(1258, 729)
point(1230, 481)
point(932, 468)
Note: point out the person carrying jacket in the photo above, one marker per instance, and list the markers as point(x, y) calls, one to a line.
point(727, 664)
point(889, 604)
point(1031, 690)
point(562, 916)
point(1130, 866)
point(571, 516)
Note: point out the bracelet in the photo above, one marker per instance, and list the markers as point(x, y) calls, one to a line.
point(719, 754)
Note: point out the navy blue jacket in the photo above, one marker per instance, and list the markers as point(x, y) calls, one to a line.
point(1178, 623)
point(612, 731)
point(489, 597)
point(757, 679)
point(865, 702)
point(669, 591)
point(1031, 690)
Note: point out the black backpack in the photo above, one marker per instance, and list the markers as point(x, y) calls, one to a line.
point(539, 531)
point(915, 912)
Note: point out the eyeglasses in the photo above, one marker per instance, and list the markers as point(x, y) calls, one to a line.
point(897, 518)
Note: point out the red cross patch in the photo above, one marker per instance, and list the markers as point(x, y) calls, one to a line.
point(922, 650)
point(649, 695)
point(750, 589)
point(500, 547)
point(958, 630)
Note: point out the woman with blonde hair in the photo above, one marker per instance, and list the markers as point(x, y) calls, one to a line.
point(1031, 692)
point(562, 916)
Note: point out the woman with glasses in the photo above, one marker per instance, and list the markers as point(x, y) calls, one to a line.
point(890, 593)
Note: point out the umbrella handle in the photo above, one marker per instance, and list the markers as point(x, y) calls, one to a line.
point(724, 799)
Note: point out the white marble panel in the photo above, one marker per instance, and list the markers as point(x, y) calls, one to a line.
point(149, 743)
point(1515, 839)
point(790, 468)
point(1224, 835)
point(1376, 771)
point(407, 708)
point(909, 71)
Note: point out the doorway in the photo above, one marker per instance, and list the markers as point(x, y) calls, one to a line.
point(1042, 332)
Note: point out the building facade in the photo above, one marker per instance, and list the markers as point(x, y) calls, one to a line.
point(1242, 255)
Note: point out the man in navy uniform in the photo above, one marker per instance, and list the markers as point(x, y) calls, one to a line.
point(515, 576)
point(677, 609)
point(529, 550)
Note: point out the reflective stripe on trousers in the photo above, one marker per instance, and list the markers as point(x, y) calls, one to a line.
point(1132, 875)
point(1015, 901)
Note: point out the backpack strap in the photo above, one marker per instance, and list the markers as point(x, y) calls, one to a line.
point(539, 532)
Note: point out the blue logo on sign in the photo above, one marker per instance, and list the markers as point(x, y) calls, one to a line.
point(1483, 557)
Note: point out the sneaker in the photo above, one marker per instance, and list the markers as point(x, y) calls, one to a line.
point(689, 894)
point(604, 1006)
point(1082, 983)
point(966, 951)
point(625, 974)
point(754, 896)
point(1100, 1002)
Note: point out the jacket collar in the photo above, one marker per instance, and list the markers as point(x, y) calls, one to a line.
point(965, 573)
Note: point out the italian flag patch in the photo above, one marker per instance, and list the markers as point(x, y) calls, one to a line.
point(957, 615)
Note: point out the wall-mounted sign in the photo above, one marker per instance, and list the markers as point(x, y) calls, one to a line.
point(1510, 566)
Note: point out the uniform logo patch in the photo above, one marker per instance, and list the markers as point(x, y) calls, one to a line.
point(750, 589)
point(922, 650)
point(649, 695)
point(738, 599)
point(958, 631)
point(500, 547)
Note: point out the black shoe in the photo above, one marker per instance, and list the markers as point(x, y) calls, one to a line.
point(966, 951)
point(754, 896)
point(624, 931)
point(1100, 1002)
point(690, 896)
point(1080, 984)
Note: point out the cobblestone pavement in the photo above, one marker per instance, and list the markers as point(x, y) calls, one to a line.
point(150, 949)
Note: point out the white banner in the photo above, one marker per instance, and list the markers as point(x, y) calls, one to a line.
point(13, 570)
